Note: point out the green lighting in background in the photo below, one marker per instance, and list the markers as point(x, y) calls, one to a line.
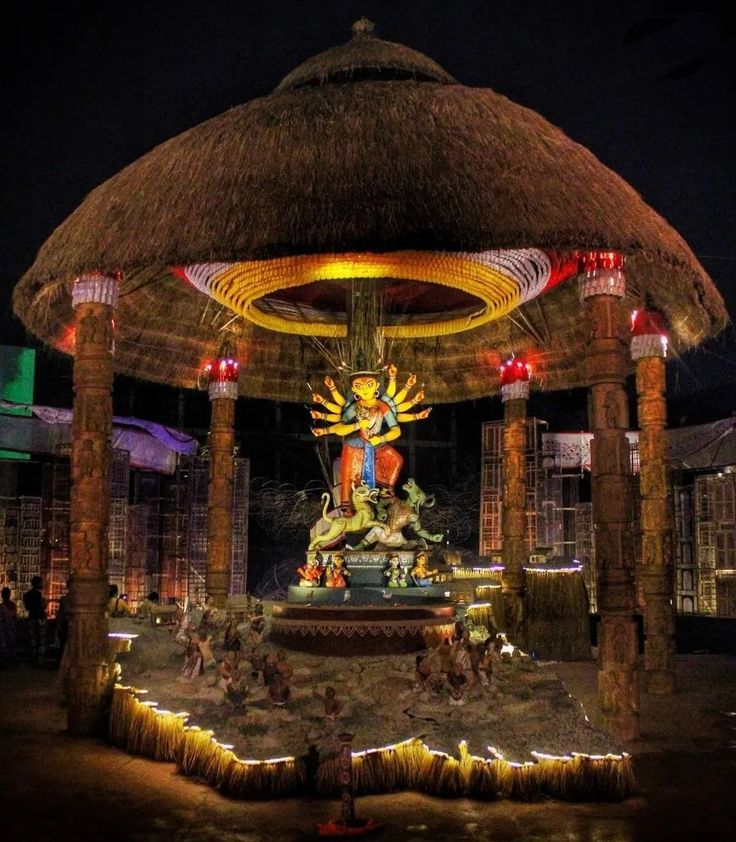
point(17, 370)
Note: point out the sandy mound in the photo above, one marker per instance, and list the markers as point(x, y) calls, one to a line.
point(524, 708)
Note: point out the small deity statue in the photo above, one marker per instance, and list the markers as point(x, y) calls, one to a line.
point(232, 637)
point(228, 668)
point(229, 672)
point(257, 664)
point(333, 705)
point(205, 648)
point(337, 575)
point(460, 656)
point(283, 667)
point(193, 662)
point(278, 690)
point(421, 575)
point(444, 653)
point(310, 574)
point(457, 681)
point(258, 621)
point(393, 571)
point(269, 669)
point(475, 651)
point(212, 617)
point(422, 673)
point(367, 420)
point(487, 658)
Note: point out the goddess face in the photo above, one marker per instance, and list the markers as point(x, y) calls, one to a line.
point(365, 387)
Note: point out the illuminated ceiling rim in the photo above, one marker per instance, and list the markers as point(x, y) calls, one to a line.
point(500, 279)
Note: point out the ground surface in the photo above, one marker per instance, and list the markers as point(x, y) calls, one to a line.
point(526, 706)
point(54, 787)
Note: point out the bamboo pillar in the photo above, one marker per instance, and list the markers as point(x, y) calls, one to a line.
point(223, 392)
point(602, 288)
point(649, 349)
point(89, 675)
point(514, 394)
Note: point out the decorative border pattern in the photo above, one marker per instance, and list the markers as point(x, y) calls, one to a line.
point(343, 628)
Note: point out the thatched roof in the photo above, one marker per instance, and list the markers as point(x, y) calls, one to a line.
point(371, 147)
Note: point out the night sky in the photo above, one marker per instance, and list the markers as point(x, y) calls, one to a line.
point(648, 87)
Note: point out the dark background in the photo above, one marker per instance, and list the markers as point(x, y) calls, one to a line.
point(648, 87)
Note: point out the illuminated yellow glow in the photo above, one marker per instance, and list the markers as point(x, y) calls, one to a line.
point(240, 285)
point(563, 758)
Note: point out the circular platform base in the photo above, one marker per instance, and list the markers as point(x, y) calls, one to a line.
point(361, 630)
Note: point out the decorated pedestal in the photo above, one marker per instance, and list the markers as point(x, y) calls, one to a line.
point(383, 609)
point(362, 629)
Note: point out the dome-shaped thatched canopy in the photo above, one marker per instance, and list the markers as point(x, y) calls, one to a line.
point(367, 148)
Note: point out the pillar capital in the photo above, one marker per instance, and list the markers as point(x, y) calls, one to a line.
point(515, 391)
point(96, 288)
point(602, 273)
point(649, 336)
point(514, 376)
point(223, 378)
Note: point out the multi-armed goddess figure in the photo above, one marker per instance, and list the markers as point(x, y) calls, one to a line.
point(367, 420)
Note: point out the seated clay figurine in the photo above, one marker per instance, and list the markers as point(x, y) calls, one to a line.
point(393, 571)
point(457, 680)
point(193, 661)
point(333, 705)
point(421, 575)
point(258, 621)
point(278, 691)
point(337, 575)
point(310, 574)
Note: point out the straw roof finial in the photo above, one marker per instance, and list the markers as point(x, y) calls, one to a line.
point(363, 28)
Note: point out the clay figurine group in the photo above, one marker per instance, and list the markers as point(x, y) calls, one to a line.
point(318, 573)
point(243, 666)
point(399, 576)
point(455, 666)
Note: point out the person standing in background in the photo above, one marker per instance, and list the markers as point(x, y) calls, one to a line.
point(35, 604)
point(8, 628)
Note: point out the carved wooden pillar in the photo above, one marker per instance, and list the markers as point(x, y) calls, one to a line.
point(649, 349)
point(94, 298)
point(347, 798)
point(602, 287)
point(223, 392)
point(514, 394)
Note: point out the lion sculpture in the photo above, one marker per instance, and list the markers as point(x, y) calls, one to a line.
point(394, 515)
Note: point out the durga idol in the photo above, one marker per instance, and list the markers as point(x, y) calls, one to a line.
point(368, 420)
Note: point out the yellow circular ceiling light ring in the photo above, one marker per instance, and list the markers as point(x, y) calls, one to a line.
point(239, 286)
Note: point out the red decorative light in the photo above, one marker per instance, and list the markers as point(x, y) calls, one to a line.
point(515, 370)
point(222, 371)
point(648, 322)
point(589, 261)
